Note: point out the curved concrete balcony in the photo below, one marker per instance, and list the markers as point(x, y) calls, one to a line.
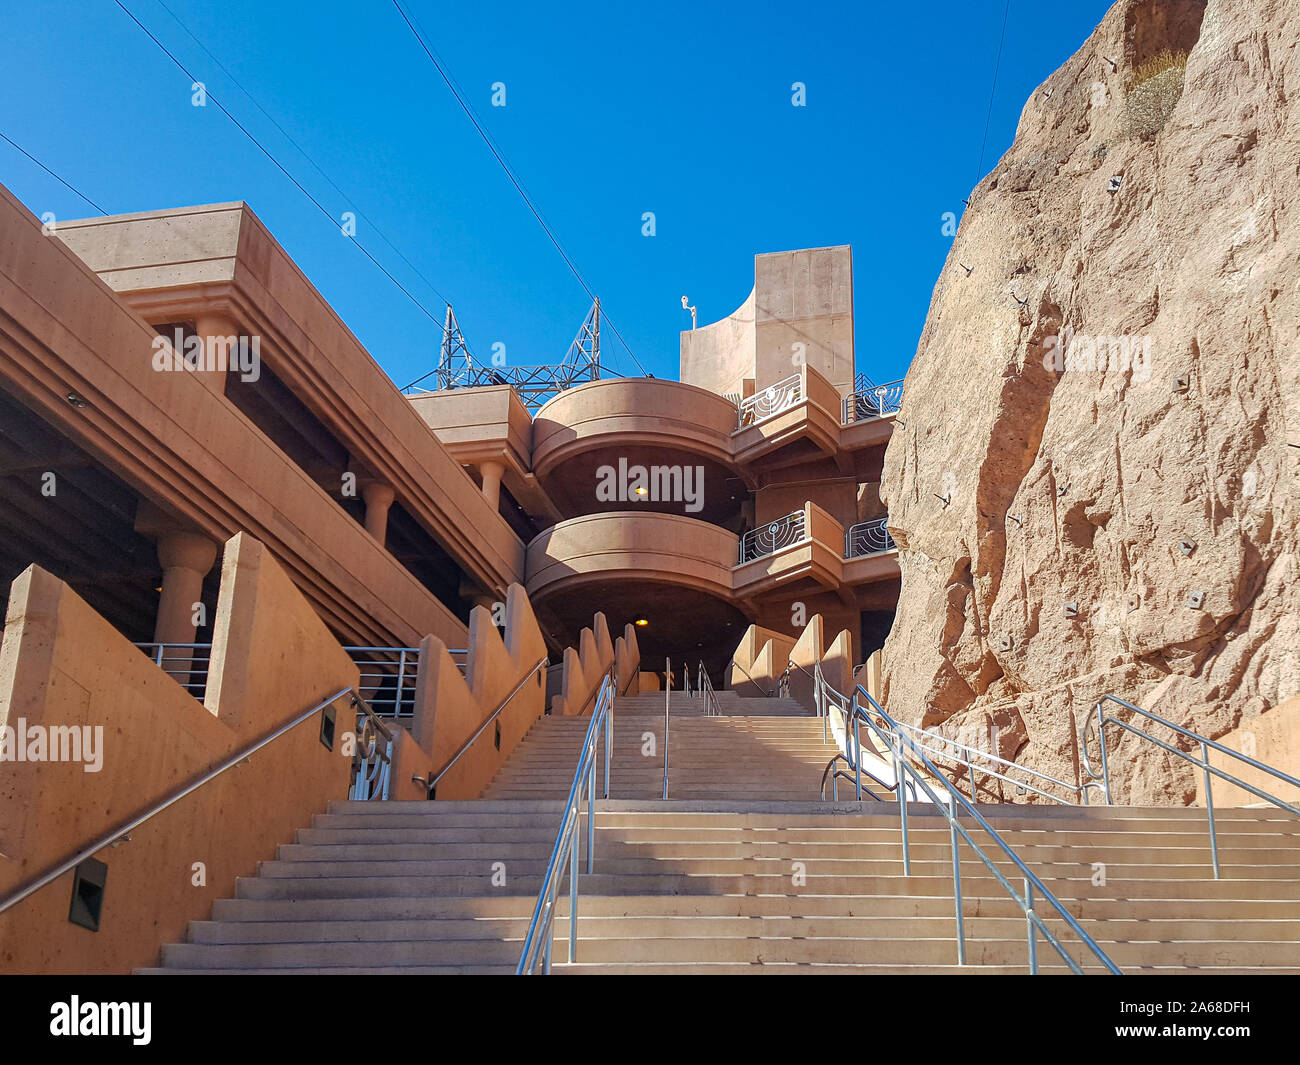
point(632, 411)
point(637, 422)
point(663, 548)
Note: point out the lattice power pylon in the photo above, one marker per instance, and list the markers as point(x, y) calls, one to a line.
point(535, 384)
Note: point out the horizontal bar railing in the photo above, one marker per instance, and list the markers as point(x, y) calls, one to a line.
point(88, 851)
point(187, 663)
point(1101, 777)
point(431, 782)
point(897, 740)
point(868, 538)
point(873, 401)
point(389, 674)
point(775, 536)
point(536, 953)
point(770, 402)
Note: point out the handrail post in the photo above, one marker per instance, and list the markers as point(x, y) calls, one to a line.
point(668, 694)
point(1029, 923)
point(1101, 744)
point(573, 900)
point(1209, 806)
point(401, 677)
point(900, 787)
point(591, 813)
point(857, 752)
point(956, 882)
point(609, 743)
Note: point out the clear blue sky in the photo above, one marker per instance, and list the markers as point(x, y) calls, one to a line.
point(612, 110)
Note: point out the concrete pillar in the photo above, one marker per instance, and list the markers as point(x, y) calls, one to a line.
point(379, 497)
point(492, 472)
point(186, 558)
point(215, 324)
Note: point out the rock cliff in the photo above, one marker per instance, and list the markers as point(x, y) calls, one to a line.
point(1092, 478)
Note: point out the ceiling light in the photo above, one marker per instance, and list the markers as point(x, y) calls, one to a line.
point(641, 623)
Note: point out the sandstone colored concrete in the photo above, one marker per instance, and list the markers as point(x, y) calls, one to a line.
point(1022, 478)
point(61, 664)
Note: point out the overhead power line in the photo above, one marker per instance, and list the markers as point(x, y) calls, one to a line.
point(280, 166)
point(997, 66)
point(65, 184)
point(439, 66)
point(303, 152)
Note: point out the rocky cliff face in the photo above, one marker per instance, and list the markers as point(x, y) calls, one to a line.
point(1092, 479)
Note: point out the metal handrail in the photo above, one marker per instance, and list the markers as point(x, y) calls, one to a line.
point(824, 695)
point(770, 692)
point(537, 941)
point(431, 781)
point(895, 738)
point(121, 830)
point(711, 707)
point(668, 695)
point(1103, 776)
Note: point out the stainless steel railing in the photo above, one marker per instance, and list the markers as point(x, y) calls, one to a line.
point(186, 663)
point(124, 829)
point(769, 692)
point(431, 781)
point(868, 538)
point(1101, 778)
point(668, 696)
point(536, 954)
point(873, 401)
point(775, 536)
point(710, 697)
point(388, 674)
point(922, 774)
point(770, 402)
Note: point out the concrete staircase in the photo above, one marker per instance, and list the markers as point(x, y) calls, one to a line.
point(763, 749)
point(741, 872)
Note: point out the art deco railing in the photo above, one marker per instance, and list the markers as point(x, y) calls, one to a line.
point(873, 401)
point(772, 537)
point(771, 401)
point(868, 538)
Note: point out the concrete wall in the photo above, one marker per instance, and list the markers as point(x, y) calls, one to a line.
point(720, 356)
point(1272, 738)
point(183, 446)
point(804, 304)
point(62, 664)
point(450, 707)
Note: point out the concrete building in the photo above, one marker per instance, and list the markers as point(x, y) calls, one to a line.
point(254, 587)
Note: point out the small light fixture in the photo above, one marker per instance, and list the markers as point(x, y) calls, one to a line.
point(640, 491)
point(75, 400)
point(641, 623)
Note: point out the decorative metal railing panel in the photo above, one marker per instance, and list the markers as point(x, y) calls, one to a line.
point(868, 538)
point(372, 759)
point(773, 537)
point(771, 401)
point(873, 401)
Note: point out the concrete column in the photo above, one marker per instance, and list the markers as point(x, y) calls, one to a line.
point(379, 497)
point(215, 324)
point(186, 558)
point(492, 472)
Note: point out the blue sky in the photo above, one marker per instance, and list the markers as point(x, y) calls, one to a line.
point(612, 110)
